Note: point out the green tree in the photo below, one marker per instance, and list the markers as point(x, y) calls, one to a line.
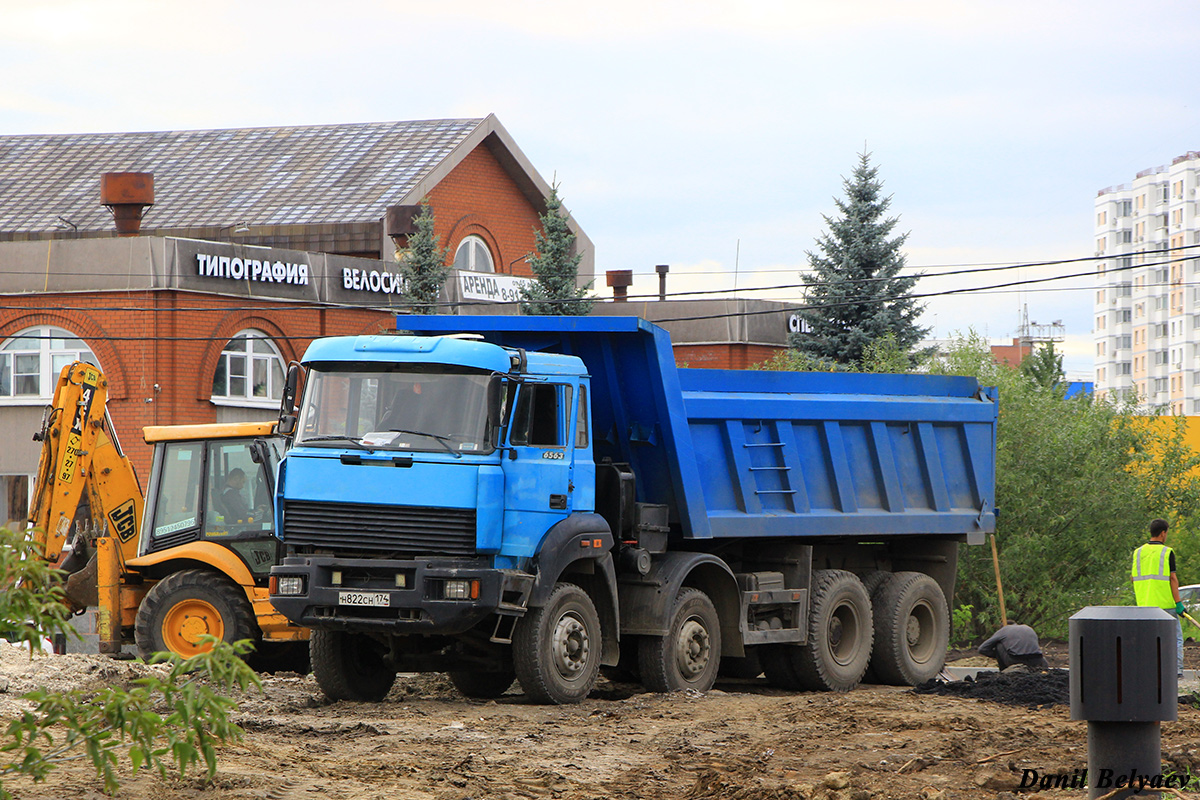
point(1072, 501)
point(423, 264)
point(1044, 367)
point(555, 265)
point(172, 719)
point(857, 294)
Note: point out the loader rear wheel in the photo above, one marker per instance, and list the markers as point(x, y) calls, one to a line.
point(912, 629)
point(186, 605)
point(557, 647)
point(689, 656)
point(350, 666)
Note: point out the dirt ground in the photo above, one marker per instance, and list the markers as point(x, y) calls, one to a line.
point(742, 741)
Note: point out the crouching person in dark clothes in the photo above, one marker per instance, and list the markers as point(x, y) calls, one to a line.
point(1015, 644)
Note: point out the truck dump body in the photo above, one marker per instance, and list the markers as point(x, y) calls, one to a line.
point(765, 454)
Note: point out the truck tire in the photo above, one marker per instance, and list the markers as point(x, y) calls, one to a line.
point(689, 656)
point(747, 667)
point(872, 579)
point(779, 665)
point(912, 629)
point(350, 666)
point(557, 647)
point(840, 632)
point(184, 606)
point(481, 685)
point(280, 657)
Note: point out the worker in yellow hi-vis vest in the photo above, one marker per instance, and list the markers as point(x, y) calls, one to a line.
point(1154, 580)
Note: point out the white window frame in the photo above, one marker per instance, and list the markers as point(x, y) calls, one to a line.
point(52, 348)
point(476, 246)
point(252, 353)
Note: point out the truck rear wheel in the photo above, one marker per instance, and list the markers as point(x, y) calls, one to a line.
point(912, 629)
point(840, 632)
point(186, 605)
point(481, 685)
point(557, 647)
point(689, 656)
point(350, 666)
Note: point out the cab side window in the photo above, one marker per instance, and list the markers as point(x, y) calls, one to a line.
point(178, 507)
point(538, 419)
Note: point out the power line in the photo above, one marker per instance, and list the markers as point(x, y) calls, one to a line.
point(300, 306)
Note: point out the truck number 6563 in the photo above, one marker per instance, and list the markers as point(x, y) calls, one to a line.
point(552, 454)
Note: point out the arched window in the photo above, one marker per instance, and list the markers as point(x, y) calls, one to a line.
point(473, 255)
point(249, 371)
point(31, 360)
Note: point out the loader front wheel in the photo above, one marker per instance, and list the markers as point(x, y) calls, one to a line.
point(186, 605)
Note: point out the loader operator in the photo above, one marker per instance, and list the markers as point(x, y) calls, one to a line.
point(1015, 644)
point(1155, 583)
point(236, 509)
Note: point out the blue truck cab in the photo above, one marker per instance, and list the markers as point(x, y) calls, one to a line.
point(537, 497)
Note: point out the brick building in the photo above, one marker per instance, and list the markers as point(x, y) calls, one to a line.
point(257, 241)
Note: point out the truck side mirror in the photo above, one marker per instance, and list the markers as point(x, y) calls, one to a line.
point(287, 403)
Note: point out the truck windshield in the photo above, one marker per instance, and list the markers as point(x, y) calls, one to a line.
point(435, 409)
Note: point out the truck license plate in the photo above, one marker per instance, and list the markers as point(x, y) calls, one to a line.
point(363, 599)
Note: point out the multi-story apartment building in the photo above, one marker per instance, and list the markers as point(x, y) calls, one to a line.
point(1147, 293)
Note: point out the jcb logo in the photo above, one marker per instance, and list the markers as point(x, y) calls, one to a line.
point(123, 521)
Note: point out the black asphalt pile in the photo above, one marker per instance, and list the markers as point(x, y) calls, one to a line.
point(1031, 689)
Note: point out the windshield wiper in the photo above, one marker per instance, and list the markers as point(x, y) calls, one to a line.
point(338, 438)
point(442, 440)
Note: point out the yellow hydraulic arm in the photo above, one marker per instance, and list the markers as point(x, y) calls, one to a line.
point(81, 460)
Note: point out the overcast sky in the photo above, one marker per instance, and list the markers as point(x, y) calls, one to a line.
point(707, 136)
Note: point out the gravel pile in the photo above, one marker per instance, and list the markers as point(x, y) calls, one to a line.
point(1031, 689)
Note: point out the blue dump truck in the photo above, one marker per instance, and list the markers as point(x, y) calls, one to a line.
point(543, 496)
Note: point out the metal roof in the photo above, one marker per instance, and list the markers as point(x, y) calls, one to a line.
point(258, 176)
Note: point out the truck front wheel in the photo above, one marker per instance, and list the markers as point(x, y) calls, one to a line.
point(557, 647)
point(840, 631)
point(912, 629)
point(186, 605)
point(689, 656)
point(350, 666)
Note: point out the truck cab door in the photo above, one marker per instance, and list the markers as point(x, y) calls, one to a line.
point(538, 491)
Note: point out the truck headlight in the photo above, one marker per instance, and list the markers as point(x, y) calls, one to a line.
point(287, 584)
point(461, 590)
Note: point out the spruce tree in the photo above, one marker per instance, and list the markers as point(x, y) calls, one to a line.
point(423, 264)
point(555, 267)
point(857, 294)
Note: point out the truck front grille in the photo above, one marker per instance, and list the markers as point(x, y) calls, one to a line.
point(398, 530)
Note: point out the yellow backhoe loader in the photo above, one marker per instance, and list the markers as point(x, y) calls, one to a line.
point(192, 557)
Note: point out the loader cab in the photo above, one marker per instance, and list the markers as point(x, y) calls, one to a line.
point(209, 484)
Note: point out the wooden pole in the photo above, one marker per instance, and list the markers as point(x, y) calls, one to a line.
point(999, 585)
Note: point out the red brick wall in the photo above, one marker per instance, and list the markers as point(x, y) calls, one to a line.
point(723, 356)
point(478, 197)
point(1011, 354)
point(173, 339)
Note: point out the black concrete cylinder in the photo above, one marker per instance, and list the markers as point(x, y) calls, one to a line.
point(1122, 754)
point(1123, 683)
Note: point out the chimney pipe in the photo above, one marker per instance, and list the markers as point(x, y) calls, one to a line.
point(126, 195)
point(620, 280)
point(662, 270)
